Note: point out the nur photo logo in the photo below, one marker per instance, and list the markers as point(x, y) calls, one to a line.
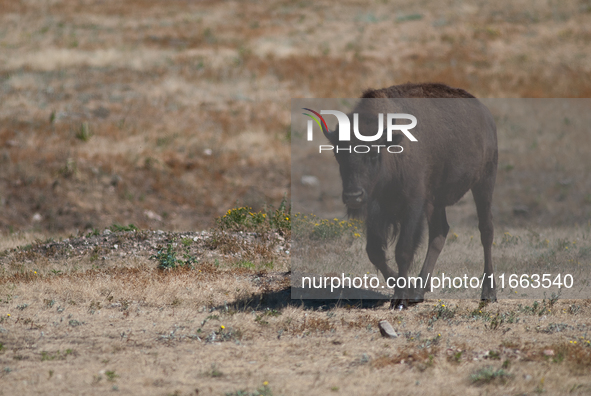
point(344, 131)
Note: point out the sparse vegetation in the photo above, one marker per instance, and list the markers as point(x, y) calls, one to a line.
point(315, 228)
point(443, 311)
point(48, 356)
point(455, 357)
point(121, 228)
point(509, 239)
point(167, 259)
point(264, 390)
point(111, 375)
point(244, 219)
point(214, 372)
point(489, 374)
point(543, 308)
point(84, 133)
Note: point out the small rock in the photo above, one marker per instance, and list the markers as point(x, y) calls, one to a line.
point(548, 352)
point(37, 217)
point(152, 216)
point(107, 232)
point(386, 329)
point(308, 180)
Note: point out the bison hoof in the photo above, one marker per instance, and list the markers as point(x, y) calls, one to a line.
point(489, 296)
point(399, 304)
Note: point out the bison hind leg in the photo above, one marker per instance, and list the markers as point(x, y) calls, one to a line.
point(483, 192)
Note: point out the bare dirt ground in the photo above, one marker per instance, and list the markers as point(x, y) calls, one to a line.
point(165, 114)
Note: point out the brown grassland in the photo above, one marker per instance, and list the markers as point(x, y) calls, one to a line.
point(165, 114)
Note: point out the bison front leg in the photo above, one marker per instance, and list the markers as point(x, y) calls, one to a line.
point(377, 240)
point(408, 241)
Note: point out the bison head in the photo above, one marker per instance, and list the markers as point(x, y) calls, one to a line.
point(362, 162)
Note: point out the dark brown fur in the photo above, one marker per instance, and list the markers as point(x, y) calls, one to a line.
point(456, 152)
point(409, 90)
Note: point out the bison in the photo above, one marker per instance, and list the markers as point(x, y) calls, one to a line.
point(456, 151)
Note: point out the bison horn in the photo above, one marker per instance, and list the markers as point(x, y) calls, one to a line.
point(321, 123)
point(328, 133)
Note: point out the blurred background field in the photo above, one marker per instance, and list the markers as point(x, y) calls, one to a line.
point(165, 114)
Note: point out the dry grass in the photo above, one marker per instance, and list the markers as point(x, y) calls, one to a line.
point(123, 324)
point(140, 330)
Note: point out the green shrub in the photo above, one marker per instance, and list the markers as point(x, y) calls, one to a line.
point(314, 228)
point(245, 219)
point(167, 258)
point(120, 228)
